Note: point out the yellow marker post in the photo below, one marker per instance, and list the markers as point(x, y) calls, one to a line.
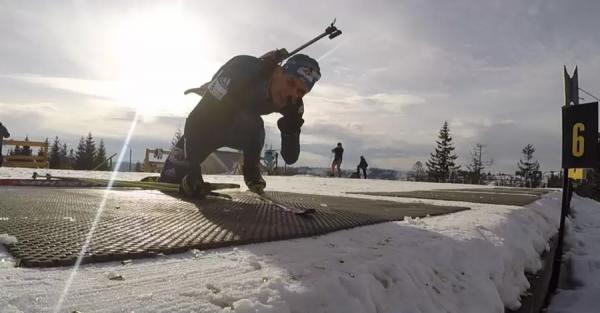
point(576, 173)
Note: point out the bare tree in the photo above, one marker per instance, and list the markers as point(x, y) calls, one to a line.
point(419, 171)
point(478, 163)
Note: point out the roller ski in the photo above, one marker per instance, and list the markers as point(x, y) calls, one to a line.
point(256, 185)
point(195, 187)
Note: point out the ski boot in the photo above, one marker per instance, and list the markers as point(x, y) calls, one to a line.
point(254, 179)
point(193, 186)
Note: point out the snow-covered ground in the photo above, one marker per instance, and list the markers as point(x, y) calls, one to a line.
point(580, 285)
point(470, 261)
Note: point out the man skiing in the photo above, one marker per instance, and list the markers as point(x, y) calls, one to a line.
point(362, 165)
point(3, 134)
point(338, 151)
point(229, 115)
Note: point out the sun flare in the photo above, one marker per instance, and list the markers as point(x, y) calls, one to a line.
point(157, 54)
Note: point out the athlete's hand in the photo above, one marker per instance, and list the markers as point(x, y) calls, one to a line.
point(274, 57)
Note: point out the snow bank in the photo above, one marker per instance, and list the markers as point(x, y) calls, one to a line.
point(7, 239)
point(419, 265)
point(5, 258)
point(580, 273)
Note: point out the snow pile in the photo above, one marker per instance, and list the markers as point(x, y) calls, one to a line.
point(470, 261)
point(7, 239)
point(5, 259)
point(580, 274)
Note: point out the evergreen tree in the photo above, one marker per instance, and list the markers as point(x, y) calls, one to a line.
point(71, 160)
point(26, 150)
point(441, 162)
point(86, 153)
point(56, 160)
point(80, 155)
point(101, 157)
point(42, 152)
point(90, 151)
point(64, 159)
point(419, 171)
point(529, 168)
point(138, 167)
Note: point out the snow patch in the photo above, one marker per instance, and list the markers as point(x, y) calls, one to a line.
point(580, 272)
point(8, 239)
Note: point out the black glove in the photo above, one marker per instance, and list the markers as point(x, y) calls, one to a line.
point(274, 57)
point(290, 125)
point(290, 138)
point(271, 60)
point(290, 147)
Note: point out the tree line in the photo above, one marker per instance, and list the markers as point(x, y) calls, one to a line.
point(442, 165)
point(87, 156)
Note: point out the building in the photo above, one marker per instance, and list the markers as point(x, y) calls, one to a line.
point(222, 161)
point(28, 159)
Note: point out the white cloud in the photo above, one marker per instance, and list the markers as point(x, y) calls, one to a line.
point(96, 88)
point(492, 69)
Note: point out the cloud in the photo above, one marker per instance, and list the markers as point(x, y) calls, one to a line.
point(95, 88)
point(491, 69)
point(340, 104)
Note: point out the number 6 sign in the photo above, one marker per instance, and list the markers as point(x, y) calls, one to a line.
point(580, 135)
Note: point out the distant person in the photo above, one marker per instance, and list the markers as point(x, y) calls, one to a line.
point(362, 165)
point(3, 134)
point(338, 151)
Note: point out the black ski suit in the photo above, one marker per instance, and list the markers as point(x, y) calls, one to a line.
point(3, 134)
point(362, 165)
point(229, 115)
point(337, 160)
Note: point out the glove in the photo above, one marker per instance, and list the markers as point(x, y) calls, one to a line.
point(290, 147)
point(290, 137)
point(290, 125)
point(274, 57)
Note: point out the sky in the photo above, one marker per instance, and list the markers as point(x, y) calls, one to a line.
point(492, 69)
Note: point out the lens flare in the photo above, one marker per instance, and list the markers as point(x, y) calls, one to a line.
point(99, 211)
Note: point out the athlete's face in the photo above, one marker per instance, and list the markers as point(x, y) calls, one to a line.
point(286, 88)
